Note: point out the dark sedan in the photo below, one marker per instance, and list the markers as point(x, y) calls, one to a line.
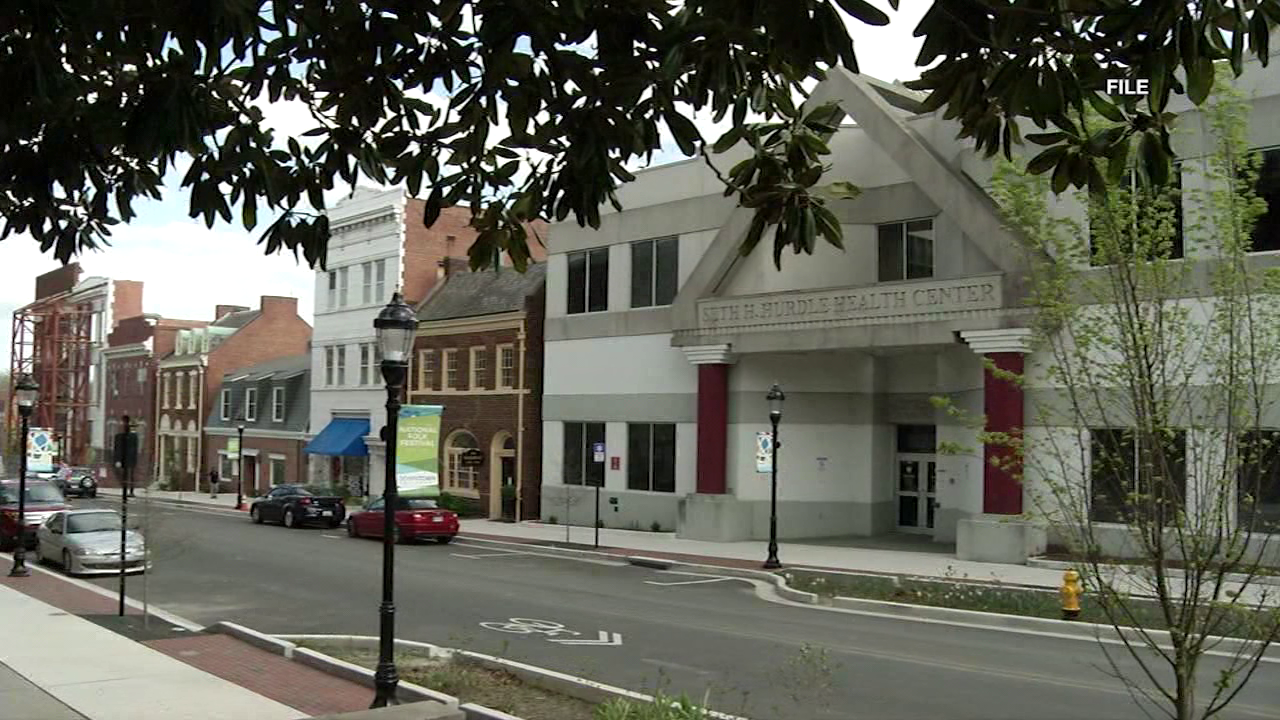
point(77, 482)
point(295, 505)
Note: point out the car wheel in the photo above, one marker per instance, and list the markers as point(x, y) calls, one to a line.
point(290, 521)
point(66, 561)
point(351, 529)
point(445, 539)
point(255, 514)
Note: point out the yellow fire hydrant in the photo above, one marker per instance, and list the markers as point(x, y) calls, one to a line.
point(1070, 592)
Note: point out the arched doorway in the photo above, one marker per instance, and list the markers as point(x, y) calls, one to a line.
point(502, 475)
point(460, 479)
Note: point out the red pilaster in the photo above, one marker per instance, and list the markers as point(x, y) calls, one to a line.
point(713, 427)
point(1003, 405)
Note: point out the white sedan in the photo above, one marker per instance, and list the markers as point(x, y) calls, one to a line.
point(87, 542)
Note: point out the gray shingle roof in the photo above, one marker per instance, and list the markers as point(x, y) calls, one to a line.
point(237, 319)
point(291, 373)
point(280, 368)
point(472, 294)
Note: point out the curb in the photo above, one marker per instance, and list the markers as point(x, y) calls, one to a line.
point(364, 676)
point(1171, 572)
point(177, 503)
point(254, 638)
point(779, 583)
point(552, 680)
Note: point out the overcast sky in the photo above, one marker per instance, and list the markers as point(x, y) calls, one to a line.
point(188, 268)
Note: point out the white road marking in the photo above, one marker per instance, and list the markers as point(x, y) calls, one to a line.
point(605, 639)
point(488, 555)
point(333, 537)
point(688, 582)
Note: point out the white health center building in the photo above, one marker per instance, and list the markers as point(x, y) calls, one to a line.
point(662, 342)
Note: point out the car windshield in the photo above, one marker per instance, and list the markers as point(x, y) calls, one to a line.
point(417, 504)
point(93, 522)
point(41, 493)
point(299, 490)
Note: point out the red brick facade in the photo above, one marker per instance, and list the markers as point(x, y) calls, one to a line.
point(259, 453)
point(490, 414)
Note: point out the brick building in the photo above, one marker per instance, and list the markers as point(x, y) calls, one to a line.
point(131, 359)
point(479, 354)
point(271, 401)
point(189, 379)
point(378, 243)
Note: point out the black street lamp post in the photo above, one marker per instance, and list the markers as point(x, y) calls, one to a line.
point(25, 393)
point(395, 327)
point(240, 465)
point(775, 398)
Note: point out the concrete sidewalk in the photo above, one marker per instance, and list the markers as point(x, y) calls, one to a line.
point(225, 501)
point(64, 666)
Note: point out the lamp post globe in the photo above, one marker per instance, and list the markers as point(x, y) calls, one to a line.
point(395, 328)
point(775, 398)
point(25, 394)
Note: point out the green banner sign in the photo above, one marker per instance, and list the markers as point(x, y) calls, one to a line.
point(418, 450)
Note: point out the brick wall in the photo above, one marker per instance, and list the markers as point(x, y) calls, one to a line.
point(278, 332)
point(490, 415)
point(126, 300)
point(295, 470)
point(132, 395)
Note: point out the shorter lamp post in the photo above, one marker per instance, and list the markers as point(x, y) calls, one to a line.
point(25, 393)
point(395, 327)
point(775, 398)
point(240, 464)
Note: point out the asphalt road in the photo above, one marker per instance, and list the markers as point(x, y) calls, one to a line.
point(678, 632)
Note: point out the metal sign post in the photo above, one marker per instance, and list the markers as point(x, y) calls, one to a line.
point(126, 454)
point(597, 451)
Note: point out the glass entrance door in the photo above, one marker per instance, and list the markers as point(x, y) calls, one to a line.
point(916, 477)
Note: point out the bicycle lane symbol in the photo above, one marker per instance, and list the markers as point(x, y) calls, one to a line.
point(551, 631)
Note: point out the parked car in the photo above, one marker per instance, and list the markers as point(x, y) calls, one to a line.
point(77, 482)
point(415, 519)
point(87, 542)
point(295, 505)
point(43, 499)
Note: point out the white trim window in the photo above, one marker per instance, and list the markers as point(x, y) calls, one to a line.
point(277, 404)
point(588, 281)
point(342, 286)
point(506, 367)
point(251, 404)
point(340, 366)
point(479, 366)
point(459, 476)
point(426, 369)
point(380, 281)
point(365, 359)
point(905, 250)
point(450, 369)
point(168, 391)
point(655, 271)
point(224, 402)
point(366, 286)
point(333, 289)
point(194, 378)
point(328, 365)
point(178, 387)
point(277, 469)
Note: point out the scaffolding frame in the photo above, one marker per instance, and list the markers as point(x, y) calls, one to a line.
point(52, 342)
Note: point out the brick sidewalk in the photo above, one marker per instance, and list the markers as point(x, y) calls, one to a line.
point(303, 688)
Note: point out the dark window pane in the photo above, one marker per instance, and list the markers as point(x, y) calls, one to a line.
point(642, 274)
point(908, 510)
point(1111, 474)
point(639, 442)
point(573, 453)
point(1258, 494)
point(890, 252)
point(919, 249)
point(577, 282)
point(595, 470)
point(668, 272)
point(598, 281)
point(664, 457)
point(1266, 234)
point(917, 438)
point(909, 476)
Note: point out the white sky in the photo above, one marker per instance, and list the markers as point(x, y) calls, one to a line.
point(188, 268)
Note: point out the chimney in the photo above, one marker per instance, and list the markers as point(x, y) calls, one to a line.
point(221, 311)
point(451, 266)
point(278, 305)
point(126, 300)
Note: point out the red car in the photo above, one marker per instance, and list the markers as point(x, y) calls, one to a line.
point(43, 500)
point(416, 519)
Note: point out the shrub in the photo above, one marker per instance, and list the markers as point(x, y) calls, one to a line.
point(553, 519)
point(663, 707)
point(656, 526)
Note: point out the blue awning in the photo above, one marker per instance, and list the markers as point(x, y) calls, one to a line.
point(342, 436)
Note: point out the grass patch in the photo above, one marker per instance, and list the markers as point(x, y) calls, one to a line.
point(996, 598)
point(1259, 571)
point(493, 689)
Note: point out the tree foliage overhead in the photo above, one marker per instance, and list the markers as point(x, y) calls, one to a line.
point(521, 109)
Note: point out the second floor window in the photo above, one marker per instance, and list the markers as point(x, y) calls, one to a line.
point(426, 369)
point(1141, 199)
point(251, 404)
point(333, 289)
point(905, 250)
point(1266, 234)
point(479, 367)
point(380, 281)
point(342, 286)
point(195, 389)
point(277, 404)
point(328, 365)
point(366, 287)
point(225, 403)
point(366, 363)
point(506, 367)
point(450, 369)
point(179, 387)
point(589, 281)
point(340, 364)
point(654, 272)
point(168, 390)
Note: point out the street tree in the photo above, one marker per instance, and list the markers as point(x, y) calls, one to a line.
point(520, 110)
point(1149, 453)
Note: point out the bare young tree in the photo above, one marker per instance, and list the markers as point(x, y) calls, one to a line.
point(1151, 440)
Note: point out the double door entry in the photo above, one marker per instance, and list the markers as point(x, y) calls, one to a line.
point(916, 477)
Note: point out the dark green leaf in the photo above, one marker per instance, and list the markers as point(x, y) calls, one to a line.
point(864, 11)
